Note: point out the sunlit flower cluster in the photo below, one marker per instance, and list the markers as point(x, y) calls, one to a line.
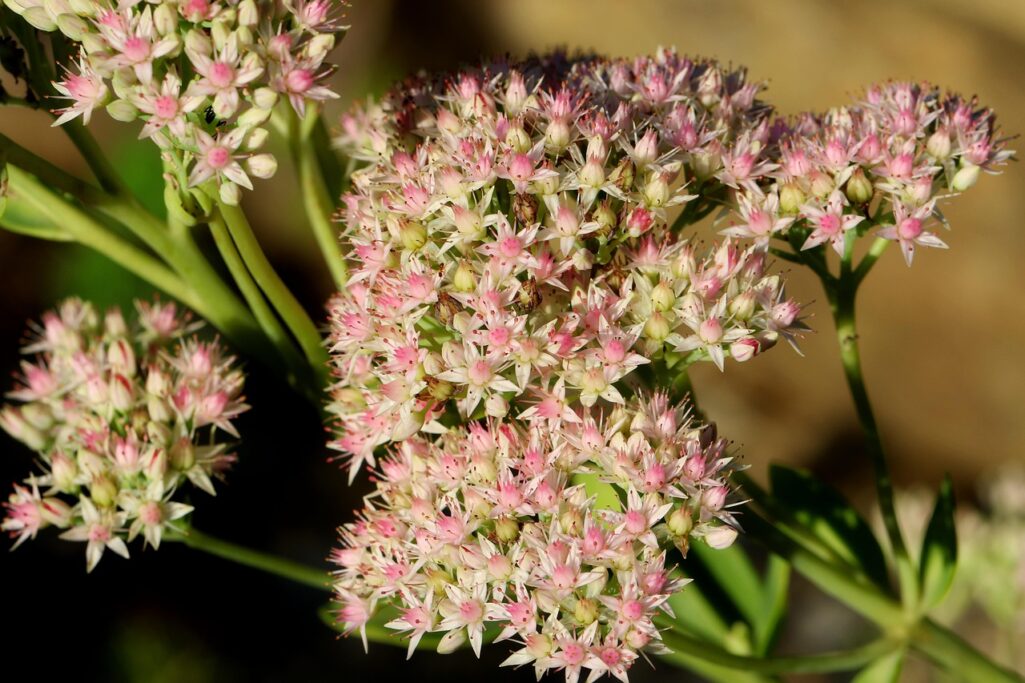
point(878, 167)
point(489, 530)
point(511, 248)
point(121, 417)
point(204, 75)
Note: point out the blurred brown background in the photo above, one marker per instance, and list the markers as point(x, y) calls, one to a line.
point(942, 341)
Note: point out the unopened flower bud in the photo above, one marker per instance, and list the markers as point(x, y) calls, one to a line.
point(154, 464)
point(791, 198)
point(518, 139)
point(320, 45)
point(571, 521)
point(496, 406)
point(452, 641)
point(547, 186)
point(248, 13)
point(557, 135)
point(586, 611)
point(821, 184)
point(64, 471)
point(123, 111)
point(229, 193)
point(103, 491)
point(55, 511)
point(90, 463)
point(254, 118)
point(721, 537)
point(265, 98)
point(262, 165)
point(680, 522)
point(859, 188)
point(183, 455)
point(220, 31)
point(74, 27)
point(121, 393)
point(657, 328)
point(165, 19)
point(742, 306)
point(663, 298)
point(40, 18)
point(965, 177)
point(507, 529)
point(413, 235)
point(13, 423)
point(656, 190)
point(745, 349)
point(939, 145)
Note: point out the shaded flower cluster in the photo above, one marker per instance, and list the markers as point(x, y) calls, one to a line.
point(878, 167)
point(490, 529)
point(204, 75)
point(121, 417)
point(511, 247)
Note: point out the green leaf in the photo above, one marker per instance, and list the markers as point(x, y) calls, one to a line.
point(736, 576)
point(774, 603)
point(831, 519)
point(883, 670)
point(939, 549)
point(695, 613)
point(21, 218)
point(605, 494)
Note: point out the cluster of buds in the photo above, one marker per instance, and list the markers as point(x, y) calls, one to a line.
point(487, 529)
point(510, 242)
point(878, 167)
point(204, 75)
point(120, 418)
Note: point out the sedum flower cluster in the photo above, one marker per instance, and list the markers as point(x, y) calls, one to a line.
point(511, 248)
point(878, 167)
point(121, 417)
point(487, 529)
point(204, 75)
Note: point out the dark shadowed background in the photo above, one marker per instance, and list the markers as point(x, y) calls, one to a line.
point(942, 341)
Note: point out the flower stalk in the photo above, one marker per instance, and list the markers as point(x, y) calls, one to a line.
point(266, 562)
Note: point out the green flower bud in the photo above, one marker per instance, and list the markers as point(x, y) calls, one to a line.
point(965, 177)
point(859, 188)
point(663, 298)
point(413, 235)
point(123, 111)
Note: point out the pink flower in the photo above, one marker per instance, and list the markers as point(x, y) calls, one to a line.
point(86, 90)
point(829, 223)
point(216, 159)
point(908, 229)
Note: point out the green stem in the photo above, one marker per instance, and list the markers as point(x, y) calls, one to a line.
point(842, 298)
point(87, 231)
point(846, 660)
point(953, 654)
point(265, 562)
point(869, 260)
point(90, 150)
point(316, 200)
point(251, 293)
point(287, 306)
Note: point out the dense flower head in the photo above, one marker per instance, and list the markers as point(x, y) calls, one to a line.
point(511, 249)
point(204, 75)
point(121, 416)
point(489, 528)
point(878, 167)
